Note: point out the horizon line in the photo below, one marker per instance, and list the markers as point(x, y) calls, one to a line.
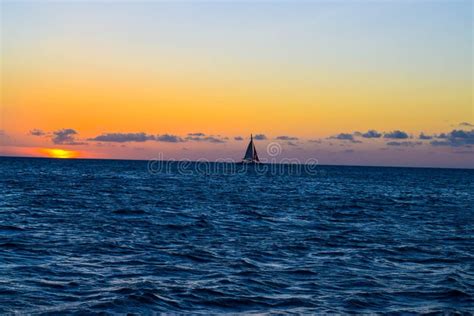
point(234, 162)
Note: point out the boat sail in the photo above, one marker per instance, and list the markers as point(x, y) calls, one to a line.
point(251, 155)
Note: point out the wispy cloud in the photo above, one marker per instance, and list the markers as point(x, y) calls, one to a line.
point(168, 138)
point(204, 138)
point(123, 137)
point(455, 138)
point(136, 137)
point(285, 137)
point(371, 134)
point(238, 138)
point(466, 124)
point(37, 132)
point(345, 137)
point(396, 135)
point(196, 134)
point(260, 137)
point(66, 136)
point(424, 137)
point(404, 144)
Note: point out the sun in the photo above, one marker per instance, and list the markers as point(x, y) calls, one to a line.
point(60, 153)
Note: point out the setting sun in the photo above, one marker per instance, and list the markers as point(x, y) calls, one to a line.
point(60, 153)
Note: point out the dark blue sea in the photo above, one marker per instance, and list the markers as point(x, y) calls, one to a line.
point(108, 237)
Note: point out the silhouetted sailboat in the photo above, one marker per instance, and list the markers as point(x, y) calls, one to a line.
point(251, 153)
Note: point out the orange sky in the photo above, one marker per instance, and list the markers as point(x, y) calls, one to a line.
point(312, 71)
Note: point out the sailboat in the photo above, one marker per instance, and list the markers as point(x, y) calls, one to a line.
point(251, 156)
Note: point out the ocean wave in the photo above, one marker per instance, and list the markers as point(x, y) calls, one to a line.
point(106, 237)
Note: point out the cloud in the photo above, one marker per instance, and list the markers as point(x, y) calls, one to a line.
point(213, 139)
point(424, 137)
point(317, 141)
point(238, 138)
point(346, 137)
point(343, 136)
point(37, 132)
point(66, 136)
point(123, 137)
point(440, 143)
point(455, 138)
point(290, 143)
point(169, 138)
point(465, 135)
point(371, 134)
point(143, 137)
point(284, 137)
point(260, 137)
point(466, 124)
point(396, 135)
point(201, 137)
point(404, 144)
point(210, 139)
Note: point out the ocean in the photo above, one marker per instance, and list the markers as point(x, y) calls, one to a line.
point(110, 236)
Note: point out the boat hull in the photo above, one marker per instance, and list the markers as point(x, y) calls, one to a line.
point(249, 163)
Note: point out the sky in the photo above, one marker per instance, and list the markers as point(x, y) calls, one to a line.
point(384, 83)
